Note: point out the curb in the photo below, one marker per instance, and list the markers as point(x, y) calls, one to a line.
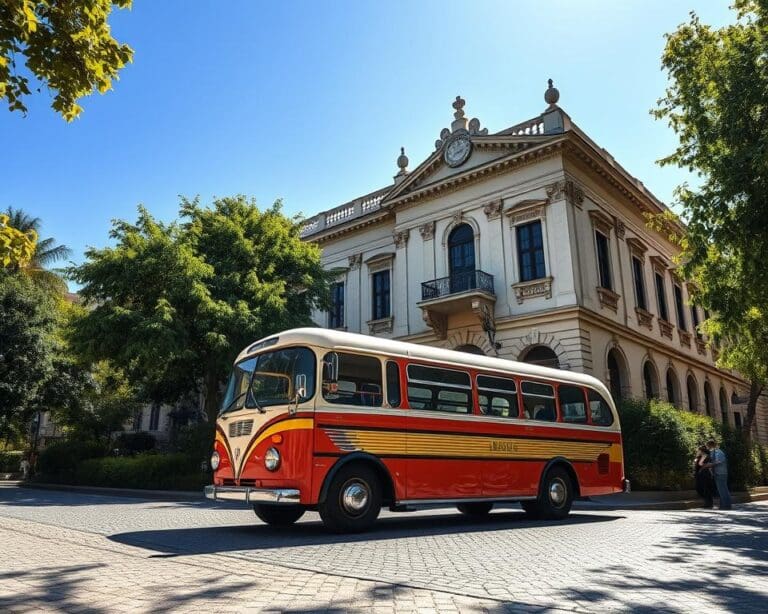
point(669, 505)
point(138, 493)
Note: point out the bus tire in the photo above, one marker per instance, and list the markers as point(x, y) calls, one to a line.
point(557, 494)
point(476, 509)
point(278, 515)
point(531, 509)
point(353, 500)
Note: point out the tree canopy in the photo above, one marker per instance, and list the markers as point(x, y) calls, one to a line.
point(173, 304)
point(17, 247)
point(717, 103)
point(67, 46)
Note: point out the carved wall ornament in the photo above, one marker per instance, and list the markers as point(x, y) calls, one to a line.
point(427, 231)
point(685, 338)
point(608, 298)
point(644, 318)
point(620, 229)
point(438, 322)
point(518, 215)
point(567, 189)
point(457, 217)
point(492, 209)
point(384, 325)
point(533, 289)
point(401, 238)
point(355, 260)
point(665, 328)
point(601, 222)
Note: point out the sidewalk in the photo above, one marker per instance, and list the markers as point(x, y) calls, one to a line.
point(639, 500)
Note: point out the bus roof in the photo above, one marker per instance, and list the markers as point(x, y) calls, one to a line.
point(340, 340)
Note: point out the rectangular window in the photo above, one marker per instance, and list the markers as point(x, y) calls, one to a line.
point(661, 297)
point(154, 417)
point(498, 396)
point(380, 295)
point(695, 320)
point(336, 315)
point(358, 382)
point(599, 409)
point(639, 276)
point(737, 420)
point(539, 401)
point(530, 251)
point(439, 389)
point(573, 404)
point(680, 308)
point(393, 384)
point(603, 260)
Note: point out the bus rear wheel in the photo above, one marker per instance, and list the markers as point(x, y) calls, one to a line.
point(353, 501)
point(555, 497)
point(475, 510)
point(278, 515)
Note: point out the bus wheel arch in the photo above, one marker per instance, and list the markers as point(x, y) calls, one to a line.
point(566, 464)
point(558, 487)
point(363, 459)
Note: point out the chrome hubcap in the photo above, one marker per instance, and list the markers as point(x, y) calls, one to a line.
point(557, 492)
point(354, 497)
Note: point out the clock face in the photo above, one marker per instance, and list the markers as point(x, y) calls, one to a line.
point(457, 151)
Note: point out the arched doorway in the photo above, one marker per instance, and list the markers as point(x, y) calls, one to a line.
point(708, 406)
point(673, 394)
point(541, 355)
point(693, 393)
point(461, 258)
point(650, 381)
point(617, 374)
point(470, 349)
point(724, 405)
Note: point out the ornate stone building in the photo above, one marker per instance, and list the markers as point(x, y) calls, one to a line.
point(530, 244)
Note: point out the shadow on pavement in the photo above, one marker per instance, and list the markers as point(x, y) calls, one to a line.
point(210, 540)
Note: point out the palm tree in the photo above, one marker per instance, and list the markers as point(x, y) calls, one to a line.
point(46, 251)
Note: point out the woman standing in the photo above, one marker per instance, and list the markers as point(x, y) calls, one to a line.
point(705, 483)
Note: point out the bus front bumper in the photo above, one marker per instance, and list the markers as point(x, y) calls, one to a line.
point(282, 496)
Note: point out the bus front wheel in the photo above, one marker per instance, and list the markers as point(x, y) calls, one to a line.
point(278, 515)
point(353, 501)
point(555, 498)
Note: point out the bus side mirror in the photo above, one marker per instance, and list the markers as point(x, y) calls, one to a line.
point(331, 364)
point(300, 387)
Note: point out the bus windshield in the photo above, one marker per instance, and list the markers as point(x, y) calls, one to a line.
point(270, 379)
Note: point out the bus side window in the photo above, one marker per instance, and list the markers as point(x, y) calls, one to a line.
point(539, 401)
point(359, 382)
point(498, 396)
point(573, 404)
point(600, 409)
point(393, 384)
point(439, 389)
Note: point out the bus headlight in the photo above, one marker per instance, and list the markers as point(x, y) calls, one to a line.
point(215, 460)
point(272, 459)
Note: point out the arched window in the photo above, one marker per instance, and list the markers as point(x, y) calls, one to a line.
point(541, 355)
point(617, 374)
point(650, 381)
point(724, 405)
point(708, 406)
point(693, 393)
point(461, 258)
point(673, 396)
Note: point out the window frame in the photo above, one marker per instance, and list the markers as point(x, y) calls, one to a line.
point(437, 386)
point(677, 292)
point(638, 277)
point(661, 295)
point(603, 256)
point(375, 292)
point(503, 393)
point(382, 378)
point(333, 313)
point(531, 251)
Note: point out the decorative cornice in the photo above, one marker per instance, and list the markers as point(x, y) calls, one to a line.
point(427, 231)
point(659, 264)
point(384, 325)
point(608, 298)
point(525, 210)
point(637, 247)
point(600, 221)
point(354, 261)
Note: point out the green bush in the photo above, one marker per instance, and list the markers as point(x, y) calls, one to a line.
point(58, 461)
point(133, 443)
point(660, 442)
point(150, 471)
point(10, 461)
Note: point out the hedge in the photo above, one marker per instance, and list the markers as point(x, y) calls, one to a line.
point(58, 461)
point(660, 442)
point(10, 462)
point(151, 471)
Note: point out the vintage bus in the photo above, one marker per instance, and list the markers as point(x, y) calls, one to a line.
point(315, 419)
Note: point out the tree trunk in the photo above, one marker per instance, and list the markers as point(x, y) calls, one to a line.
point(212, 401)
point(755, 390)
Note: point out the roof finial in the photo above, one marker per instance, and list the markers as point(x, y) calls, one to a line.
point(552, 95)
point(459, 106)
point(402, 162)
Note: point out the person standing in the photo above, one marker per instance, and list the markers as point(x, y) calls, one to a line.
point(705, 484)
point(24, 466)
point(719, 465)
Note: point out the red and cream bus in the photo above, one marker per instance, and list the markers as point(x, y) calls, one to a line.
point(344, 424)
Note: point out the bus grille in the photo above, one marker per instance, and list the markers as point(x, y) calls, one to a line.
point(240, 428)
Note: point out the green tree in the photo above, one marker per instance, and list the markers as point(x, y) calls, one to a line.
point(28, 317)
point(67, 46)
point(173, 304)
point(16, 247)
point(717, 103)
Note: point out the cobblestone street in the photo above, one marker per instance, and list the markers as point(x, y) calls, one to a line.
point(89, 553)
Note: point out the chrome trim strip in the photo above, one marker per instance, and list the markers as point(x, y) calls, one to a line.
point(463, 500)
point(284, 496)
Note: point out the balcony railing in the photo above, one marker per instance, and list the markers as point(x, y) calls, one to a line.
point(456, 284)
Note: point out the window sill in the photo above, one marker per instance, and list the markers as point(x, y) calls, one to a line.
point(534, 288)
point(608, 298)
point(644, 318)
point(382, 325)
point(685, 338)
point(665, 328)
point(701, 346)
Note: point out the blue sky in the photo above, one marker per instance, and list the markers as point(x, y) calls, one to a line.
point(310, 102)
